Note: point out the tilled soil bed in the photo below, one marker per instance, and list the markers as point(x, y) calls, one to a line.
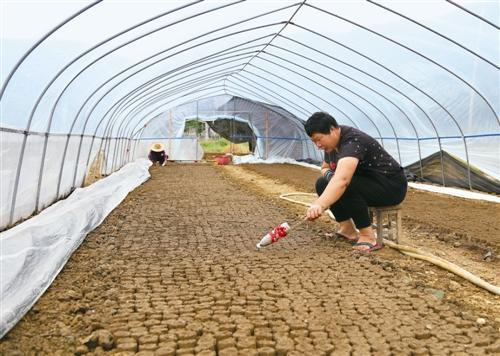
point(174, 270)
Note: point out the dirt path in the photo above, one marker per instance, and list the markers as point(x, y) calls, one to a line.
point(174, 270)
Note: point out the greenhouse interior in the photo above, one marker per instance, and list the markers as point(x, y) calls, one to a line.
point(103, 250)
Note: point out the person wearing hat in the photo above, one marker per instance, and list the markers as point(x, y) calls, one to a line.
point(157, 154)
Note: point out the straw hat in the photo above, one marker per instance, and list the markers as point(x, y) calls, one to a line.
point(157, 147)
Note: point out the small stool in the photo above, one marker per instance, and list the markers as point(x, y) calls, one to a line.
point(388, 222)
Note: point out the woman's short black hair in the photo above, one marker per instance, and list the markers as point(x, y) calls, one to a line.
point(320, 122)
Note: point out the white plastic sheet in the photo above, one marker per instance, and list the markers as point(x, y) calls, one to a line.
point(34, 252)
point(250, 159)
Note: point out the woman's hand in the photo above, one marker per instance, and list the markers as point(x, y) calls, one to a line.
point(314, 211)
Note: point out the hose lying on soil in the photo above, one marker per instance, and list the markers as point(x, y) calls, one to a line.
point(416, 253)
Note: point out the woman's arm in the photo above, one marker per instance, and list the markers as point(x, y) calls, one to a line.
point(336, 187)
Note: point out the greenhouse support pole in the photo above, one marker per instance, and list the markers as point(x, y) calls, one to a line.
point(267, 136)
point(40, 172)
point(132, 152)
point(18, 176)
point(125, 150)
point(102, 146)
point(196, 130)
point(468, 163)
point(107, 150)
point(138, 133)
point(73, 184)
point(116, 152)
point(126, 154)
point(442, 162)
point(169, 132)
point(231, 127)
point(256, 148)
point(119, 150)
point(109, 163)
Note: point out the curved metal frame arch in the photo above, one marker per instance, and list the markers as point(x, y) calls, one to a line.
point(142, 61)
point(150, 95)
point(158, 88)
point(137, 109)
point(473, 14)
point(140, 130)
point(74, 60)
point(197, 63)
point(177, 99)
point(412, 85)
point(133, 134)
point(126, 133)
point(435, 32)
point(198, 99)
point(362, 84)
point(290, 103)
point(297, 122)
point(43, 38)
point(44, 91)
point(143, 88)
point(134, 129)
point(127, 95)
point(332, 81)
point(217, 76)
point(305, 90)
point(175, 91)
point(413, 51)
point(110, 126)
point(102, 85)
point(256, 94)
point(251, 92)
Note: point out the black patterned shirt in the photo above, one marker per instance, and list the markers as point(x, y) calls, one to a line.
point(372, 156)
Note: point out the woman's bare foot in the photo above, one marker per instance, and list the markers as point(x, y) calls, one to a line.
point(367, 240)
point(348, 230)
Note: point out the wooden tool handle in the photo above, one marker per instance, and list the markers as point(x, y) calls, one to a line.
point(301, 222)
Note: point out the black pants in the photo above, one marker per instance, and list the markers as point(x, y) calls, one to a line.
point(160, 160)
point(371, 189)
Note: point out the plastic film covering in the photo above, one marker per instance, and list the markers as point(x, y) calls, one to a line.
point(277, 132)
point(35, 251)
point(83, 88)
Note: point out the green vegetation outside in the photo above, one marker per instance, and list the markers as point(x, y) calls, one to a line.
point(214, 146)
point(222, 145)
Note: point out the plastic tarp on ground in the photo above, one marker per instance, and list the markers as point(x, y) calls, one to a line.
point(34, 252)
point(250, 159)
point(455, 170)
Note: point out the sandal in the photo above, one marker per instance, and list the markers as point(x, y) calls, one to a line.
point(371, 247)
point(348, 239)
